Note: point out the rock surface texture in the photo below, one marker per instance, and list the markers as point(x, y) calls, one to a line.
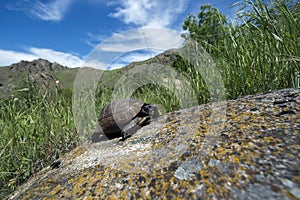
point(250, 153)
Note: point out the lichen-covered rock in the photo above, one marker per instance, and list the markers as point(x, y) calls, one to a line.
point(243, 149)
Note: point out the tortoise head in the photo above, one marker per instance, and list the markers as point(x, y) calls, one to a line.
point(150, 110)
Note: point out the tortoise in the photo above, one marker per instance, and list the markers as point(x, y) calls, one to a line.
point(122, 118)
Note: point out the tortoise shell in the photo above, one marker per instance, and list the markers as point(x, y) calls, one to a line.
point(117, 114)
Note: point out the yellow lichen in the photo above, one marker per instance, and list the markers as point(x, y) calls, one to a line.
point(56, 190)
point(78, 151)
point(235, 159)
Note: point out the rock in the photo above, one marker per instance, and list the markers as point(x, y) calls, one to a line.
point(44, 80)
point(36, 66)
point(243, 149)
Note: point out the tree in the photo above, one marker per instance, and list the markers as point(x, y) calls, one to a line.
point(207, 28)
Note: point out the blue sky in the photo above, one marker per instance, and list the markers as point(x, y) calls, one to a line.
point(66, 31)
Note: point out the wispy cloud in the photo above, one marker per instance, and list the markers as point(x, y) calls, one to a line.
point(9, 57)
point(149, 13)
point(50, 11)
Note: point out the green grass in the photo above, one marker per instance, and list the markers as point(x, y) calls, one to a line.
point(259, 54)
point(260, 51)
point(36, 128)
point(264, 53)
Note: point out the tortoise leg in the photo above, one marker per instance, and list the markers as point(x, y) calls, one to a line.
point(133, 126)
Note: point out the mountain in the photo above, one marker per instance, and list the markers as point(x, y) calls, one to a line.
point(40, 72)
point(45, 74)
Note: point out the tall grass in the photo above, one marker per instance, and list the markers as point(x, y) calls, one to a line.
point(36, 128)
point(260, 50)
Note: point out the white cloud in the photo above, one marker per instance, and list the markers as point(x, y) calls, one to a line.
point(149, 13)
point(51, 11)
point(9, 57)
point(116, 51)
point(147, 41)
point(144, 38)
point(136, 56)
point(128, 58)
point(115, 66)
point(144, 14)
point(62, 58)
